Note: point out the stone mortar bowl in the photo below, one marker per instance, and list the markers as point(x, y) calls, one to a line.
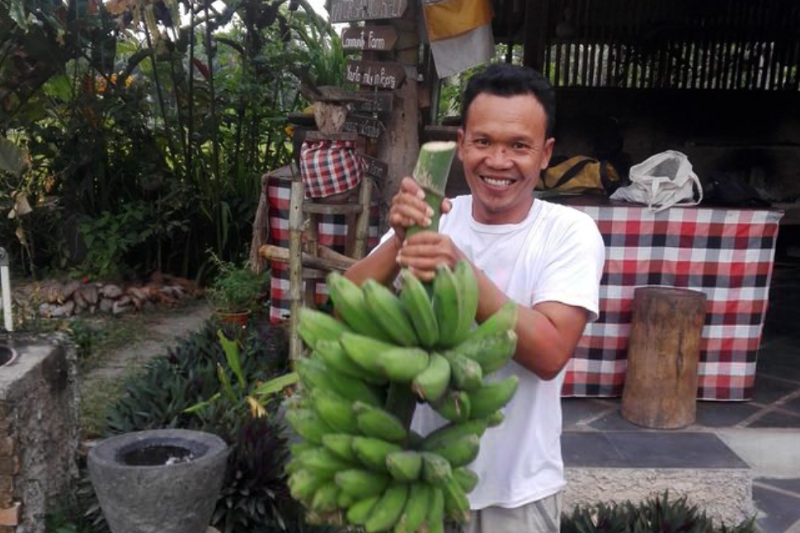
point(158, 481)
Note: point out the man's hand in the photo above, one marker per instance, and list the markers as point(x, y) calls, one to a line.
point(425, 250)
point(410, 209)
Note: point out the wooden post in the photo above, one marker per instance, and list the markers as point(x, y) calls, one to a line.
point(663, 351)
point(362, 221)
point(296, 220)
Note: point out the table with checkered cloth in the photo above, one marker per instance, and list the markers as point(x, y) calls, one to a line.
point(332, 233)
point(726, 253)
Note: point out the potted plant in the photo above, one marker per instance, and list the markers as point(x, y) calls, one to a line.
point(235, 291)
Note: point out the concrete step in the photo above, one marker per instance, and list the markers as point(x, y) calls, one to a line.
point(615, 466)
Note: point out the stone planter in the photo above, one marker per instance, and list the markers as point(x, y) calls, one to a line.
point(158, 481)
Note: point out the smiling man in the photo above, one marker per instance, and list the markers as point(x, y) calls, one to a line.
point(547, 258)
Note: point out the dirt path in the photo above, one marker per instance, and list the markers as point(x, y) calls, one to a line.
point(164, 330)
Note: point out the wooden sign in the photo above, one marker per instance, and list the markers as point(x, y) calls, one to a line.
point(379, 38)
point(375, 167)
point(376, 74)
point(363, 125)
point(373, 102)
point(353, 10)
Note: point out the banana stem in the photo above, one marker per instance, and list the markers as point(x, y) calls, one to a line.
point(431, 172)
point(402, 402)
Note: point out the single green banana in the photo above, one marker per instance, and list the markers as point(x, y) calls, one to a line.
point(324, 462)
point(401, 365)
point(390, 313)
point(376, 422)
point(304, 483)
point(492, 352)
point(333, 354)
point(372, 452)
point(387, 511)
point(431, 383)
point(340, 444)
point(308, 424)
point(435, 468)
point(420, 309)
point(467, 373)
point(503, 319)
point(336, 411)
point(434, 520)
point(296, 448)
point(492, 396)
point(292, 465)
point(314, 325)
point(348, 301)
point(315, 374)
point(364, 351)
point(360, 483)
point(495, 419)
point(446, 305)
point(453, 431)
point(324, 499)
point(416, 509)
point(468, 287)
point(358, 513)
point(459, 452)
point(344, 500)
point(404, 465)
point(453, 406)
point(466, 478)
point(456, 503)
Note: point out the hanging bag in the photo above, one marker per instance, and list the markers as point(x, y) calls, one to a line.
point(662, 181)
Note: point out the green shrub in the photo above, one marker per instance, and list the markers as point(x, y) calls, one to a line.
point(654, 515)
point(254, 497)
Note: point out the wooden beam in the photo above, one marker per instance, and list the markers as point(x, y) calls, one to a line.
point(271, 252)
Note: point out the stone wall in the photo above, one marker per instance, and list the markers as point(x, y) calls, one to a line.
point(39, 432)
point(54, 299)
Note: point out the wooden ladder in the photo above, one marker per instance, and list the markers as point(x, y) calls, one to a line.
point(310, 262)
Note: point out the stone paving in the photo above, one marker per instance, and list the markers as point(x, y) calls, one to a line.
point(764, 432)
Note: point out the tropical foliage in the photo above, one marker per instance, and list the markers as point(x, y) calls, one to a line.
point(137, 130)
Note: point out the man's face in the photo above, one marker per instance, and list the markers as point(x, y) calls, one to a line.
point(503, 149)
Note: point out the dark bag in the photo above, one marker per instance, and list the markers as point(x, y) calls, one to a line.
point(580, 174)
point(729, 190)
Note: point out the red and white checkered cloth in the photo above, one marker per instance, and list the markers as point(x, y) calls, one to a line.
point(330, 167)
point(332, 233)
point(726, 253)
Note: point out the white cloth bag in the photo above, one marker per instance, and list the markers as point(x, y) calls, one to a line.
point(662, 181)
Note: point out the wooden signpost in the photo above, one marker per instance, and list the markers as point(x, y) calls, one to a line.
point(376, 74)
point(370, 37)
point(355, 10)
point(363, 125)
point(376, 168)
point(370, 102)
point(377, 78)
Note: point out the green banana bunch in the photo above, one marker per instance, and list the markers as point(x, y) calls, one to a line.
point(357, 462)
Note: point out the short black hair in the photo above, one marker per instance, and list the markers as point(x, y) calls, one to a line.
point(505, 79)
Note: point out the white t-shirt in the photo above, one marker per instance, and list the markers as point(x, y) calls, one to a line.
point(555, 254)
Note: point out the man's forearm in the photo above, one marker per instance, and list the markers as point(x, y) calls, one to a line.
point(380, 265)
point(542, 346)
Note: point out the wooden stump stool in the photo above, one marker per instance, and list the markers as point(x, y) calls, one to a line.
point(663, 351)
